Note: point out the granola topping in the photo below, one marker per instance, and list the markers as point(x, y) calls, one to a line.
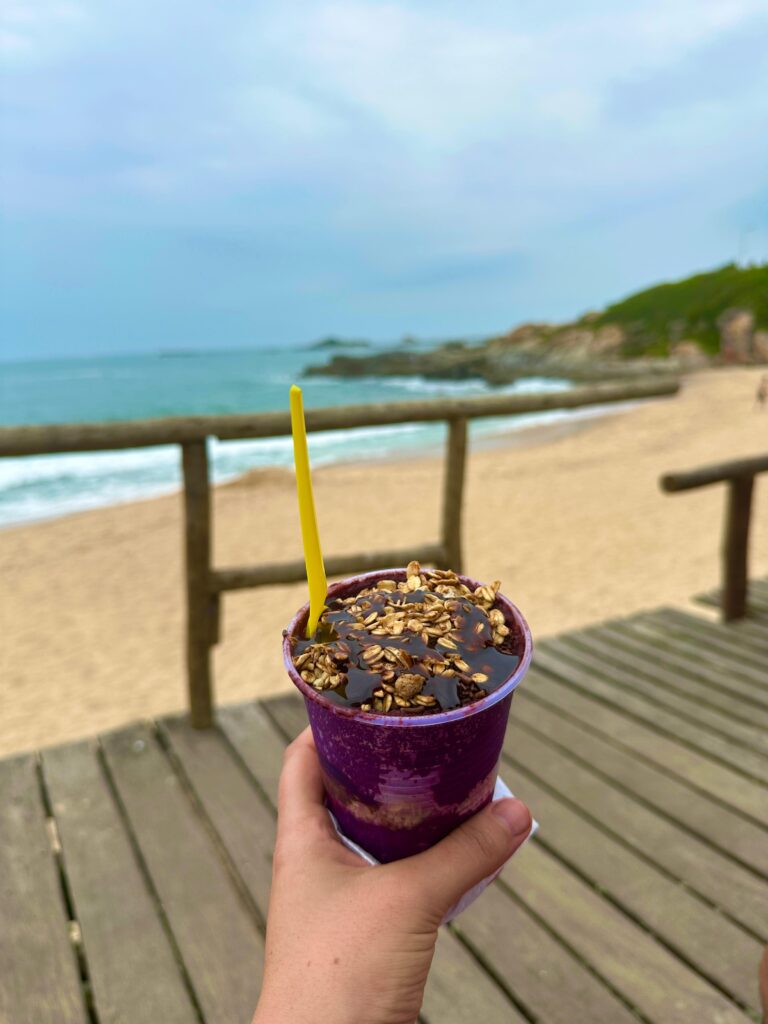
point(426, 644)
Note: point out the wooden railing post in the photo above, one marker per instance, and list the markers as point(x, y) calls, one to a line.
point(202, 604)
point(735, 543)
point(453, 492)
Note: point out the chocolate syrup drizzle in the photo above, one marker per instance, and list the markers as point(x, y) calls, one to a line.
point(338, 626)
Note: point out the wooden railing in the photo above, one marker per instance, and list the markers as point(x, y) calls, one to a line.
point(204, 584)
point(740, 477)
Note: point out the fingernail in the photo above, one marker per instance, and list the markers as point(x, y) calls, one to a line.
point(514, 814)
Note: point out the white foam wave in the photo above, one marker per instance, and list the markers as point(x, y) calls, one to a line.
point(419, 385)
point(46, 486)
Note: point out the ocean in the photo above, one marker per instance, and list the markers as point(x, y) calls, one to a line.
point(133, 387)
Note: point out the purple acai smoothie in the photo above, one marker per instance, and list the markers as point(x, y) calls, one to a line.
point(408, 683)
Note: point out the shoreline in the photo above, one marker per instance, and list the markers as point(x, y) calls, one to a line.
point(568, 515)
point(524, 436)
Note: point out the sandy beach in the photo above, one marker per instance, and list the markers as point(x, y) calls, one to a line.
point(571, 519)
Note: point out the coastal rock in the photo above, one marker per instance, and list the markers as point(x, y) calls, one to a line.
point(336, 343)
point(449, 362)
point(661, 329)
point(609, 339)
point(689, 355)
point(495, 364)
point(760, 346)
point(524, 336)
point(576, 341)
point(736, 329)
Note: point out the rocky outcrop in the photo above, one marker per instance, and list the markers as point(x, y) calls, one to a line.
point(449, 362)
point(689, 355)
point(739, 341)
point(663, 329)
point(579, 355)
point(760, 346)
point(736, 332)
point(330, 343)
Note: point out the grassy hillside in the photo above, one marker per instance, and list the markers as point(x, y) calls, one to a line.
point(688, 309)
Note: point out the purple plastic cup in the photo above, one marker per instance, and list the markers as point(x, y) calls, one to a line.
point(397, 785)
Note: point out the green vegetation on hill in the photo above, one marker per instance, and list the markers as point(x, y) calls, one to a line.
point(687, 310)
point(722, 313)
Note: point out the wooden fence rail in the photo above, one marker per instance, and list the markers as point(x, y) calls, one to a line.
point(204, 584)
point(740, 477)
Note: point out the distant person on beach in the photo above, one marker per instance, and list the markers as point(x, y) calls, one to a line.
point(350, 942)
point(761, 398)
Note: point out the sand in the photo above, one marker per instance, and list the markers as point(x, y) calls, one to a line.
point(571, 519)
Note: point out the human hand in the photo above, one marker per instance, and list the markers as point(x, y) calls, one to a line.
point(352, 943)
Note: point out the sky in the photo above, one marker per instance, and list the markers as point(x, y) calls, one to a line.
point(191, 174)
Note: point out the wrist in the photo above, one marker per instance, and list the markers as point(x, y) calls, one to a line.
point(300, 1008)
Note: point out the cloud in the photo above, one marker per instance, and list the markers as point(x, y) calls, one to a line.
point(355, 149)
point(33, 33)
point(706, 80)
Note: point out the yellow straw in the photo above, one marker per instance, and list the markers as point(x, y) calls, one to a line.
point(313, 556)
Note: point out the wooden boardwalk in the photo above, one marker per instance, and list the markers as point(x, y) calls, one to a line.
point(135, 868)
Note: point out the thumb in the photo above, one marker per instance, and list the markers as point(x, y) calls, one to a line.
point(470, 853)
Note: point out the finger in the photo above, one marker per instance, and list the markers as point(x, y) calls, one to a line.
point(470, 853)
point(300, 792)
point(303, 822)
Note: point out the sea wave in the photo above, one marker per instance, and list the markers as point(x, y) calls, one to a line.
point(418, 385)
point(47, 486)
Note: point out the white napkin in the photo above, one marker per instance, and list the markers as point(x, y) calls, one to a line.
point(500, 792)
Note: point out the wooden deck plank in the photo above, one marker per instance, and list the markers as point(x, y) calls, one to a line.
point(457, 986)
point(745, 667)
point(459, 989)
point(751, 629)
point(713, 945)
point(288, 713)
point(694, 930)
point(641, 743)
point(688, 682)
point(756, 610)
point(725, 638)
point(547, 980)
point(756, 602)
point(745, 695)
point(34, 936)
point(757, 598)
point(252, 734)
point(715, 823)
point(753, 636)
point(243, 822)
point(737, 673)
point(649, 977)
point(103, 876)
point(690, 922)
point(714, 691)
point(214, 931)
point(615, 810)
point(699, 771)
point(631, 671)
point(623, 690)
point(757, 594)
point(742, 691)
